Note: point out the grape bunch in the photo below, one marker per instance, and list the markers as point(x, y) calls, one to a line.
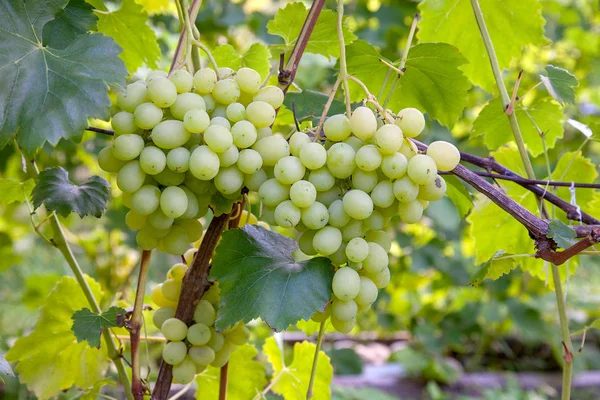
point(181, 141)
point(190, 349)
point(341, 196)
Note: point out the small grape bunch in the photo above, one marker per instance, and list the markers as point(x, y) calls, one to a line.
point(180, 140)
point(190, 349)
point(342, 195)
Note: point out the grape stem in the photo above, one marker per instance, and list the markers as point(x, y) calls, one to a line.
point(313, 371)
point(183, 44)
point(211, 59)
point(522, 180)
point(223, 375)
point(334, 89)
point(343, 68)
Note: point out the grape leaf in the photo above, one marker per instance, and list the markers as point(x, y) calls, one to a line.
point(249, 376)
point(363, 62)
point(77, 18)
point(221, 204)
point(493, 125)
point(293, 379)
point(594, 325)
point(8, 255)
point(153, 7)
point(88, 325)
point(59, 194)
point(257, 58)
point(561, 233)
point(459, 195)
point(560, 83)
point(288, 22)
point(500, 264)
point(512, 24)
point(47, 94)
point(49, 358)
point(14, 191)
point(128, 26)
point(309, 104)
point(5, 368)
point(258, 277)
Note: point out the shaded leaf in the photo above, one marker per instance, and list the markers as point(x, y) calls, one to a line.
point(459, 195)
point(88, 325)
point(593, 325)
point(309, 104)
point(258, 277)
point(14, 191)
point(77, 18)
point(561, 233)
point(560, 83)
point(500, 264)
point(58, 193)
point(345, 361)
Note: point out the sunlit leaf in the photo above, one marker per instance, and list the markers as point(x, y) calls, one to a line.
point(560, 83)
point(14, 191)
point(257, 58)
point(500, 264)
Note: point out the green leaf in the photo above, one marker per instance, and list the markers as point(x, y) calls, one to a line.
point(5, 368)
point(249, 376)
point(49, 359)
point(493, 124)
point(155, 6)
point(8, 256)
point(500, 264)
point(363, 62)
point(293, 379)
point(593, 325)
point(14, 191)
point(345, 361)
point(48, 94)
point(563, 234)
point(258, 277)
point(512, 24)
point(288, 22)
point(88, 325)
point(129, 27)
point(37, 288)
point(77, 18)
point(59, 194)
point(459, 195)
point(222, 205)
point(560, 83)
point(227, 56)
point(257, 57)
point(309, 104)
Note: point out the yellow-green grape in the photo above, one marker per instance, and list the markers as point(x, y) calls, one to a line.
point(313, 155)
point(218, 138)
point(263, 133)
point(337, 215)
point(421, 169)
point(377, 221)
point(367, 293)
point(260, 113)
point(305, 243)
point(196, 121)
point(405, 189)
point(122, 123)
point(388, 139)
point(358, 204)
point(183, 80)
point(343, 326)
point(173, 201)
point(184, 372)
point(381, 279)
point(244, 134)
point(354, 265)
point(226, 72)
point(341, 160)
point(159, 220)
point(189, 255)
point(204, 163)
point(145, 200)
point(248, 80)
point(357, 250)
point(205, 313)
point(146, 240)
point(238, 335)
point(271, 193)
point(229, 157)
point(354, 228)
point(364, 180)
point(108, 162)
point(174, 352)
point(389, 212)
point(186, 102)
point(254, 181)
point(178, 159)
point(287, 215)
point(135, 220)
point(205, 80)
point(327, 240)
point(249, 162)
point(220, 120)
point(337, 128)
point(235, 112)
point(383, 194)
point(394, 165)
point(162, 92)
point(272, 149)
point(346, 284)
point(408, 150)
point(169, 178)
point(147, 115)
point(363, 123)
point(156, 74)
point(434, 190)
point(344, 310)
point(229, 180)
point(368, 158)
point(411, 212)
point(170, 134)
point(377, 260)
point(216, 340)
point(176, 241)
point(158, 298)
point(321, 316)
point(382, 238)
point(201, 355)
point(303, 193)
point(130, 177)
point(354, 142)
point(221, 356)
point(271, 95)
point(226, 91)
point(445, 155)
point(193, 205)
point(411, 121)
point(297, 141)
point(211, 105)
point(329, 196)
point(174, 329)
point(171, 289)
point(134, 95)
point(321, 179)
point(198, 334)
point(153, 160)
point(193, 229)
point(316, 216)
point(161, 315)
point(177, 271)
point(212, 296)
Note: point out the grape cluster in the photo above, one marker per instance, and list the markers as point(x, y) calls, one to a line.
point(190, 349)
point(342, 195)
point(179, 140)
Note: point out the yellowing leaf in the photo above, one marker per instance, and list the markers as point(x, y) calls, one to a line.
point(50, 359)
point(153, 7)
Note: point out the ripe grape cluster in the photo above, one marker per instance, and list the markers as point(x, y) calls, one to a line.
point(181, 140)
point(190, 349)
point(342, 195)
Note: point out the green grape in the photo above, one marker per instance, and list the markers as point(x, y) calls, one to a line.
point(383, 194)
point(174, 330)
point(178, 159)
point(201, 355)
point(225, 72)
point(193, 207)
point(329, 196)
point(303, 193)
point(357, 250)
point(338, 217)
point(205, 80)
point(289, 170)
point(339, 257)
point(169, 178)
point(192, 227)
point(249, 161)
point(368, 292)
point(218, 138)
point(271, 193)
point(174, 352)
point(377, 221)
point(260, 113)
point(170, 134)
point(287, 215)
point(297, 141)
point(421, 169)
point(358, 204)
point(263, 133)
point(345, 284)
point(205, 313)
point(445, 155)
point(305, 243)
point(216, 340)
point(221, 121)
point(271, 95)
point(204, 163)
point(244, 134)
point(173, 201)
point(434, 190)
point(408, 149)
point(315, 216)
point(226, 91)
point(405, 189)
point(196, 121)
point(410, 212)
point(394, 165)
point(229, 157)
point(388, 139)
point(156, 74)
point(186, 102)
point(197, 186)
point(354, 142)
point(381, 279)
point(135, 220)
point(210, 103)
point(272, 149)
point(145, 200)
point(337, 128)
point(221, 357)
point(343, 326)
point(340, 160)
point(344, 310)
point(159, 300)
point(130, 177)
point(268, 215)
point(229, 180)
point(321, 179)
point(134, 95)
point(238, 336)
point(364, 180)
point(161, 315)
point(185, 372)
point(354, 265)
point(146, 240)
point(411, 121)
point(189, 255)
point(327, 240)
point(321, 316)
point(152, 160)
point(377, 260)
point(198, 334)
point(354, 228)
point(122, 123)
point(147, 115)
point(183, 80)
point(108, 162)
point(177, 271)
point(363, 123)
point(248, 80)
point(171, 289)
point(313, 155)
point(255, 180)
point(368, 158)
point(176, 241)
point(162, 92)
point(235, 112)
